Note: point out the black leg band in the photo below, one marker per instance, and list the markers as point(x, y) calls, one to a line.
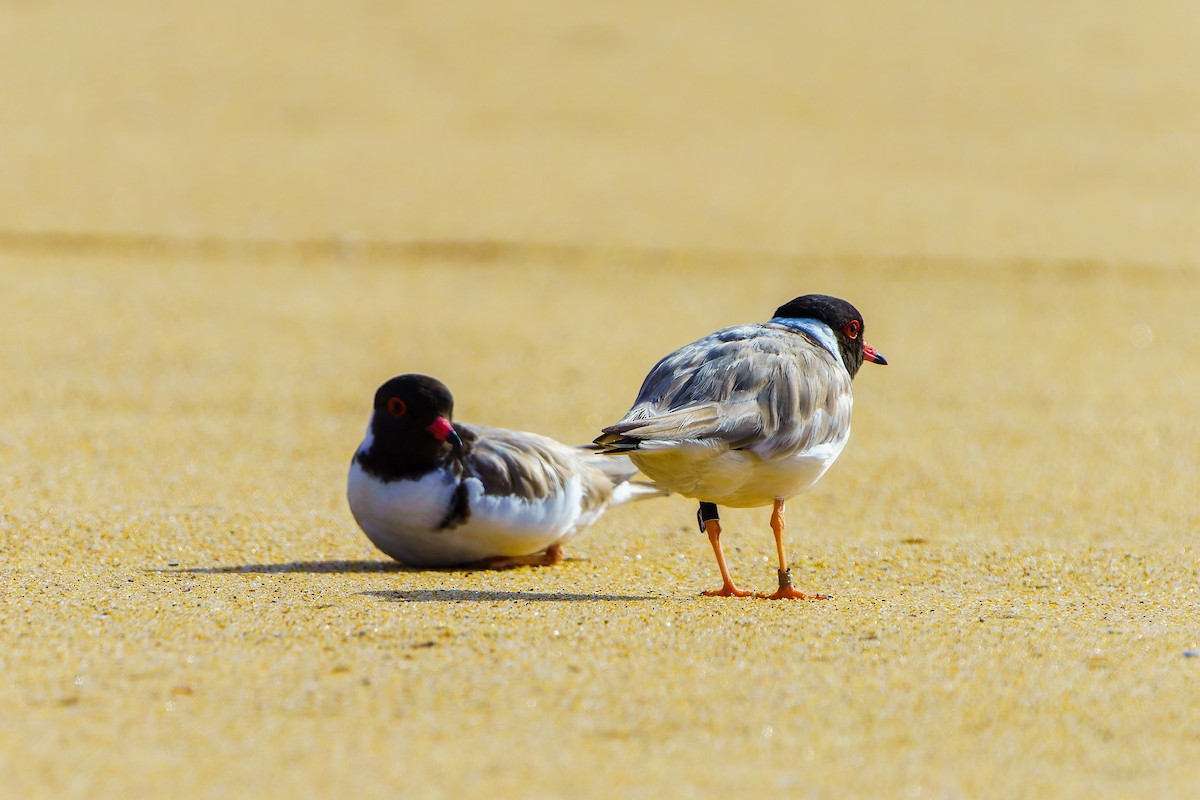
point(707, 511)
point(785, 578)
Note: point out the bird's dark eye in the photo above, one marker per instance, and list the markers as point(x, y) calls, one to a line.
point(397, 407)
point(852, 329)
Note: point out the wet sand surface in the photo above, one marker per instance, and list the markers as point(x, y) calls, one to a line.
point(223, 230)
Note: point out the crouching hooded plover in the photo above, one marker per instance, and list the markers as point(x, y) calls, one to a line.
point(432, 492)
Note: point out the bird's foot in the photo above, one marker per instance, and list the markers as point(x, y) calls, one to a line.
point(547, 558)
point(727, 590)
point(791, 593)
point(787, 591)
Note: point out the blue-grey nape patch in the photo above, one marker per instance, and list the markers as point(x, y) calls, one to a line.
point(816, 329)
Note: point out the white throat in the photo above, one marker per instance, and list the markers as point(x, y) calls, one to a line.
point(368, 438)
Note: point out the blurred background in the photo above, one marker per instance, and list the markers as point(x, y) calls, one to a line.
point(1030, 130)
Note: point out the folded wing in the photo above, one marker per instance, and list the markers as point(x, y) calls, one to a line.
point(535, 468)
point(764, 388)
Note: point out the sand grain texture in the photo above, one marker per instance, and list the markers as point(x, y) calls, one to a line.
point(222, 230)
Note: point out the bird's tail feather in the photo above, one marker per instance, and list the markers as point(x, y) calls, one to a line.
point(620, 470)
point(636, 490)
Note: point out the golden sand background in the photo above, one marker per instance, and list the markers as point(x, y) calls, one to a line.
point(222, 227)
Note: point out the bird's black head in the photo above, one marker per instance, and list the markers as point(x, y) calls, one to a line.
point(843, 319)
point(410, 430)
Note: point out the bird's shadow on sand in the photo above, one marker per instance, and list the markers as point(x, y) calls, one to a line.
point(340, 566)
point(491, 596)
point(331, 566)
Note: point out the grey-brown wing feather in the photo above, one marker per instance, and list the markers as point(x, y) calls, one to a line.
point(535, 467)
point(763, 387)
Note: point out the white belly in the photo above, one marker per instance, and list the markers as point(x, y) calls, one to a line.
point(401, 518)
point(735, 478)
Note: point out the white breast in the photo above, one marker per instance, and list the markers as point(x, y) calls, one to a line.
point(393, 514)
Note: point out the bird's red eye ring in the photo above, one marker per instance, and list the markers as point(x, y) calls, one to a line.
point(397, 407)
point(852, 329)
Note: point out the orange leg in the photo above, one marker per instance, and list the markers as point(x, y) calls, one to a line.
point(786, 590)
point(548, 558)
point(713, 528)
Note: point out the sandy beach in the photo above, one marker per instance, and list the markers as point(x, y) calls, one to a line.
point(222, 229)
